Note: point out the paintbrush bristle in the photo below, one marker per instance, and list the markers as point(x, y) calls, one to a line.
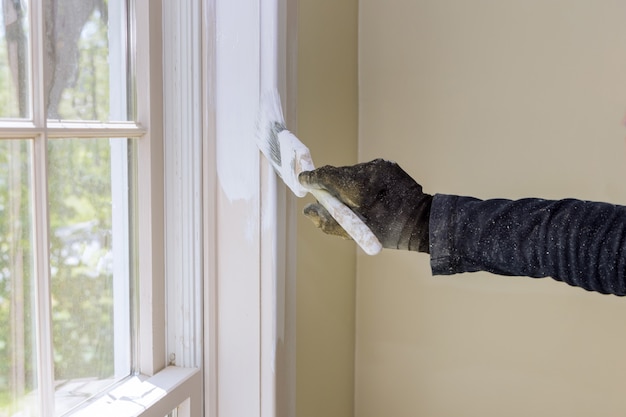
point(285, 152)
point(271, 122)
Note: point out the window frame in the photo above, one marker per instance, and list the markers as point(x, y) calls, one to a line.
point(169, 387)
point(209, 382)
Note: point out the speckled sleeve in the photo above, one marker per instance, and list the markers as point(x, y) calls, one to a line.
point(578, 242)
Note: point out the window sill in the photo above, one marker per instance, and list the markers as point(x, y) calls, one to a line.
point(148, 396)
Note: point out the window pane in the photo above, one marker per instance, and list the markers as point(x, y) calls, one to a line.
point(89, 221)
point(85, 59)
point(14, 79)
point(17, 315)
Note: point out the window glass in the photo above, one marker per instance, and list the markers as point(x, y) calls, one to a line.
point(17, 291)
point(14, 79)
point(82, 54)
point(87, 344)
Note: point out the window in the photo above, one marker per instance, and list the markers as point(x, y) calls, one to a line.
point(82, 268)
point(118, 224)
point(66, 188)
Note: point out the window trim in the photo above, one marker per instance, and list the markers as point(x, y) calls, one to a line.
point(183, 181)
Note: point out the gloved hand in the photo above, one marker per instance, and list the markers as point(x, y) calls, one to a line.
point(388, 200)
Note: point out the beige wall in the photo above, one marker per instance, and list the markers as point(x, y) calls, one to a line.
point(327, 123)
point(491, 98)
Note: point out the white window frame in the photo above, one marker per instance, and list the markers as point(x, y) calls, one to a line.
point(157, 388)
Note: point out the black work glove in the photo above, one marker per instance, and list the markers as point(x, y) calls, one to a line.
point(388, 200)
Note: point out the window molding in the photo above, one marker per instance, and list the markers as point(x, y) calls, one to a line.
point(183, 174)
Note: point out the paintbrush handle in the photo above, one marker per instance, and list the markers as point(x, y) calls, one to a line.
point(350, 222)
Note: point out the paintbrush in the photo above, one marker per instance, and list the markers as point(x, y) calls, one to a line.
point(290, 157)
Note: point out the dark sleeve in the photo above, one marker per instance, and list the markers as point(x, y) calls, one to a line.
point(578, 242)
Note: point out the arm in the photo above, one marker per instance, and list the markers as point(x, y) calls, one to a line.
point(581, 243)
